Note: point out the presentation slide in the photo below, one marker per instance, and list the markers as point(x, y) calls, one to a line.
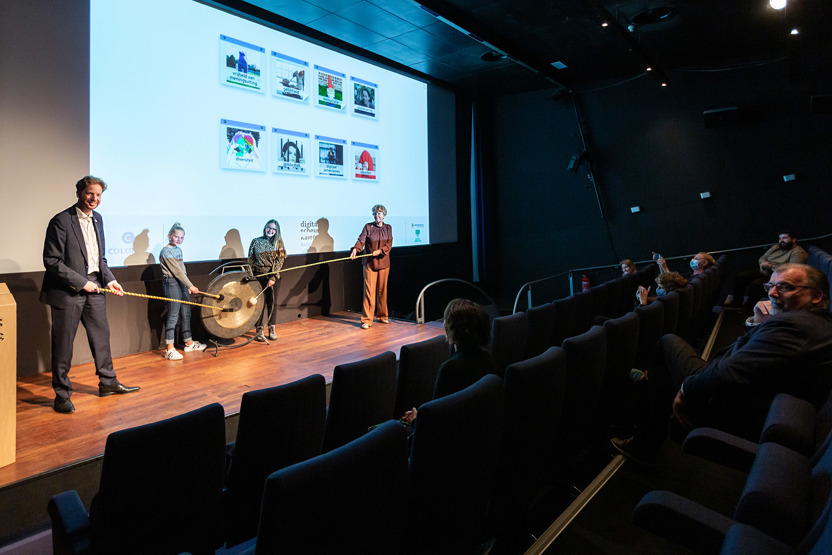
point(220, 123)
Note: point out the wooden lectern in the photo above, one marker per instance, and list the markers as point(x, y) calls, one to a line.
point(8, 375)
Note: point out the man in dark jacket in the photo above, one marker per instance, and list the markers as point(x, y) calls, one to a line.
point(790, 352)
point(76, 269)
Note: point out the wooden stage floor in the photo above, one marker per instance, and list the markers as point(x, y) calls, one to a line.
point(47, 441)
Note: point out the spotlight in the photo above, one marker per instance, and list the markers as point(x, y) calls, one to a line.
point(777, 4)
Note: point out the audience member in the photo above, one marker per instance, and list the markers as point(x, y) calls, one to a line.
point(789, 352)
point(467, 329)
point(665, 283)
point(749, 284)
point(627, 267)
point(700, 262)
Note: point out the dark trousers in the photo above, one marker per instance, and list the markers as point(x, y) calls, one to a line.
point(90, 310)
point(269, 303)
point(749, 282)
point(675, 360)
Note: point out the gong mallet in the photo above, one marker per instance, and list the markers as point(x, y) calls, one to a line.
point(253, 300)
point(219, 297)
point(105, 290)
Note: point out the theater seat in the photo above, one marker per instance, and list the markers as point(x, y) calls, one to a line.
point(540, 329)
point(453, 462)
point(160, 491)
point(508, 340)
point(350, 500)
point(278, 427)
point(418, 366)
point(363, 394)
point(785, 498)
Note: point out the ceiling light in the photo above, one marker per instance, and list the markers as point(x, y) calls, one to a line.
point(777, 4)
point(795, 32)
point(604, 24)
point(648, 68)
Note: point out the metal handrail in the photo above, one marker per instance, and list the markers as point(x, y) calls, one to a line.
point(572, 271)
point(529, 284)
point(420, 300)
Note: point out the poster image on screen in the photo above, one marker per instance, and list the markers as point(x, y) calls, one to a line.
point(290, 150)
point(364, 98)
point(248, 155)
point(241, 145)
point(241, 63)
point(330, 156)
point(289, 77)
point(365, 161)
point(330, 92)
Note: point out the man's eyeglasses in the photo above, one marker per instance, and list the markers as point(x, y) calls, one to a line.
point(783, 287)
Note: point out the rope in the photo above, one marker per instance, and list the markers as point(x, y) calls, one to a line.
point(104, 290)
point(313, 264)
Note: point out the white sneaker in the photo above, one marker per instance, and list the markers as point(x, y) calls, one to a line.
point(173, 354)
point(195, 346)
point(365, 326)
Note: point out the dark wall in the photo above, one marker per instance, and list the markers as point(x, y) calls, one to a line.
point(649, 147)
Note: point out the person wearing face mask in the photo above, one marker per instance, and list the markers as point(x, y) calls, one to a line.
point(790, 351)
point(698, 264)
point(376, 239)
point(665, 283)
point(749, 284)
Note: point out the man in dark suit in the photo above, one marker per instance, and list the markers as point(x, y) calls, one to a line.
point(73, 254)
point(790, 351)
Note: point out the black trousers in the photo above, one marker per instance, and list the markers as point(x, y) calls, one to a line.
point(90, 310)
point(749, 282)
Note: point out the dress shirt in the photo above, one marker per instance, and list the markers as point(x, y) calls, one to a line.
point(90, 240)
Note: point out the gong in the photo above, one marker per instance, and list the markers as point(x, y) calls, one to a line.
point(236, 289)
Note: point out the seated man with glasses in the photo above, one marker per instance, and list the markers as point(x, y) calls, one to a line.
point(790, 351)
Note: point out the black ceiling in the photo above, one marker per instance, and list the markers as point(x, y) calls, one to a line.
point(534, 34)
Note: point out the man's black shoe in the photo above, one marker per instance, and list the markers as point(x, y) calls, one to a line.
point(633, 451)
point(63, 406)
point(117, 389)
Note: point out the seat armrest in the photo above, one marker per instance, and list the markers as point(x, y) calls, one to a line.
point(70, 523)
point(791, 423)
point(778, 494)
point(743, 539)
point(682, 521)
point(721, 448)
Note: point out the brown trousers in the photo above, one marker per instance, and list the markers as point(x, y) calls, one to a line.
point(375, 284)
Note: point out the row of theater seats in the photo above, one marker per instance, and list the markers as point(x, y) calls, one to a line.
point(157, 478)
point(786, 502)
point(684, 312)
point(311, 479)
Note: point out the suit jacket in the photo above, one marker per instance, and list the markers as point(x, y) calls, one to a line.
point(65, 258)
point(789, 353)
